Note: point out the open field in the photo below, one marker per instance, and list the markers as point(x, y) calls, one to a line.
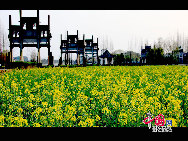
point(104, 96)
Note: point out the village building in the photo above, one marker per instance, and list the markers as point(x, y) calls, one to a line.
point(106, 57)
point(144, 52)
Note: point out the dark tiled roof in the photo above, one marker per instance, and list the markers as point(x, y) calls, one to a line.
point(106, 54)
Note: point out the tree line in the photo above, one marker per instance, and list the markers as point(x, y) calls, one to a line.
point(155, 56)
point(164, 51)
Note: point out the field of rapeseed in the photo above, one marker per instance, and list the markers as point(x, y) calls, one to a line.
point(100, 96)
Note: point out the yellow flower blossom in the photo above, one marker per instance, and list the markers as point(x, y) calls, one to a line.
point(92, 96)
point(97, 118)
point(36, 125)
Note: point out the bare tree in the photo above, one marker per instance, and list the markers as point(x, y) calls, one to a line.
point(1, 43)
point(111, 46)
point(102, 44)
point(146, 43)
point(106, 43)
point(33, 56)
point(3, 39)
point(186, 44)
point(172, 42)
point(159, 43)
point(167, 47)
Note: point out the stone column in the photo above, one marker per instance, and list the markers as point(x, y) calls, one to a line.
point(78, 59)
point(11, 56)
point(21, 53)
point(38, 56)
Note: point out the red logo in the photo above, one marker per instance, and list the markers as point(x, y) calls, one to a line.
point(159, 120)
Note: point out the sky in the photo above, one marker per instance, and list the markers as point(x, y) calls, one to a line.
point(125, 29)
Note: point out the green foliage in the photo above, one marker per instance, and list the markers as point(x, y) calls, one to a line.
point(20, 64)
point(110, 96)
point(155, 57)
point(119, 59)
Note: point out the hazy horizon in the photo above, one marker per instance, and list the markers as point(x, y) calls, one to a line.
point(125, 29)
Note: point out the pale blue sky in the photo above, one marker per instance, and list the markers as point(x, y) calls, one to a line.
point(124, 28)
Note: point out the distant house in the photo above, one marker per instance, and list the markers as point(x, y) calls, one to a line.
point(106, 58)
point(25, 58)
point(178, 53)
point(180, 56)
point(185, 58)
point(144, 53)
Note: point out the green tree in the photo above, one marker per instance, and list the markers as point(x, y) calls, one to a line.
point(119, 59)
point(155, 56)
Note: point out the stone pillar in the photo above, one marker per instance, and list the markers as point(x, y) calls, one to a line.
point(78, 59)
point(11, 56)
point(65, 59)
point(98, 61)
point(21, 49)
point(38, 56)
point(49, 54)
point(21, 54)
point(60, 60)
point(105, 61)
